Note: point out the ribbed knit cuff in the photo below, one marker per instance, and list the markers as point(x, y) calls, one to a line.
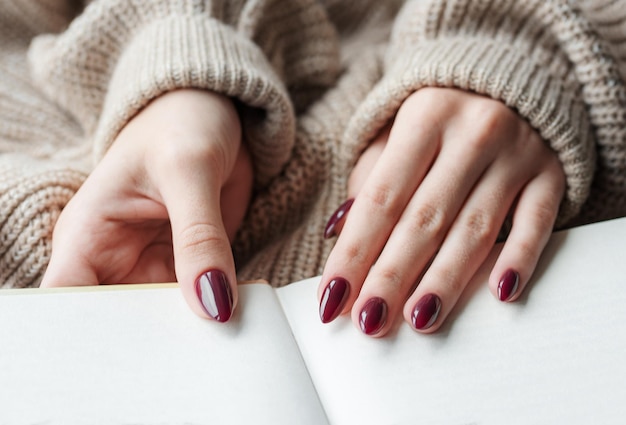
point(501, 73)
point(32, 195)
point(105, 80)
point(180, 52)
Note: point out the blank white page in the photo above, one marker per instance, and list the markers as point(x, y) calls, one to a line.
point(557, 356)
point(142, 357)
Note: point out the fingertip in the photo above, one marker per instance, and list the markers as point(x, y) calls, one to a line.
point(216, 295)
point(508, 285)
point(335, 222)
point(333, 299)
point(426, 312)
point(206, 273)
point(372, 318)
point(426, 315)
point(211, 295)
point(202, 252)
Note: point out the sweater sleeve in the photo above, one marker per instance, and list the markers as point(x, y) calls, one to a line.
point(541, 58)
point(73, 74)
point(117, 55)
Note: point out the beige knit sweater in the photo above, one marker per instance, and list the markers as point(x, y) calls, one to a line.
point(317, 80)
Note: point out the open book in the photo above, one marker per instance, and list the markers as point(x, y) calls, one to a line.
point(139, 356)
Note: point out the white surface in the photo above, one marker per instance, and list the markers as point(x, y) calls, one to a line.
point(558, 356)
point(141, 357)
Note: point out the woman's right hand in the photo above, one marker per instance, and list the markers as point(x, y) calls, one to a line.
point(163, 204)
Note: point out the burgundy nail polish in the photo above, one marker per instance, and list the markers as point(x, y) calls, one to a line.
point(333, 299)
point(508, 285)
point(215, 294)
point(337, 216)
point(426, 311)
point(373, 316)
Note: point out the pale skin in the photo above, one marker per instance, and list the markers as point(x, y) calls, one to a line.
point(436, 185)
point(163, 204)
point(172, 191)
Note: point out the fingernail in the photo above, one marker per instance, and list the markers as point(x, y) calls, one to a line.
point(334, 219)
point(508, 285)
point(215, 294)
point(426, 311)
point(333, 299)
point(373, 316)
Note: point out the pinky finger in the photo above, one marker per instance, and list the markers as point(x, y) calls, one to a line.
point(533, 221)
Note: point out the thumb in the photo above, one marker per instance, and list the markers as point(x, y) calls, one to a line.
point(203, 258)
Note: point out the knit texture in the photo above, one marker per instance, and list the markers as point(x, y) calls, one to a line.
point(316, 80)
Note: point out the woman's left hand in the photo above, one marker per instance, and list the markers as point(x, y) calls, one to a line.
point(431, 194)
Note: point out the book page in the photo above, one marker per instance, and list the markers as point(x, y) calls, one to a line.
point(142, 357)
point(556, 356)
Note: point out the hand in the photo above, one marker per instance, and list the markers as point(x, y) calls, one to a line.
point(431, 195)
point(162, 204)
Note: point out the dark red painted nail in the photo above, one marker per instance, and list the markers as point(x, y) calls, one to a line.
point(373, 316)
point(215, 294)
point(333, 299)
point(426, 311)
point(508, 285)
point(337, 216)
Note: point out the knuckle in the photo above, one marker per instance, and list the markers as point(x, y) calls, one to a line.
point(355, 253)
point(425, 96)
point(490, 112)
point(383, 200)
point(174, 157)
point(422, 113)
point(481, 227)
point(390, 278)
point(489, 121)
point(195, 239)
point(430, 220)
point(544, 216)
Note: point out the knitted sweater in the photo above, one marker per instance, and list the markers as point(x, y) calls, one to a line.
point(316, 80)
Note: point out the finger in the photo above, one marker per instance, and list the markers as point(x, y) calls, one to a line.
point(92, 249)
point(93, 241)
point(465, 247)
point(533, 221)
point(72, 249)
point(63, 271)
point(155, 262)
point(202, 254)
point(361, 170)
point(378, 207)
point(367, 161)
point(418, 234)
